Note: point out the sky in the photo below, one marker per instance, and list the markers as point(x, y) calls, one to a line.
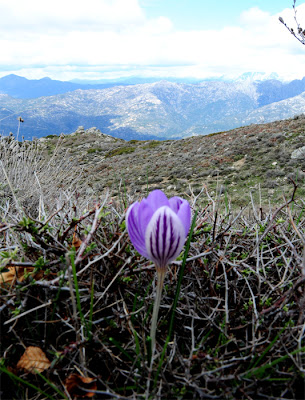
point(112, 39)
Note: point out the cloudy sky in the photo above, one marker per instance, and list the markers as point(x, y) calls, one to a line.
point(98, 39)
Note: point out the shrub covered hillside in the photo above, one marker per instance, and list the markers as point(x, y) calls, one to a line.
point(258, 158)
point(76, 298)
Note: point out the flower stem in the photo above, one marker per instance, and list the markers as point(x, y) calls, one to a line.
point(160, 282)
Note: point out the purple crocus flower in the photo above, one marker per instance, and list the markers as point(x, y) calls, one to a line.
point(158, 227)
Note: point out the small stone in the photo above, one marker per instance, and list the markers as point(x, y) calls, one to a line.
point(298, 154)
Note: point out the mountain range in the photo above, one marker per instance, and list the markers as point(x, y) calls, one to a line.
point(162, 109)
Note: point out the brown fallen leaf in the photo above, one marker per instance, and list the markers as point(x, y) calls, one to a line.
point(74, 384)
point(33, 360)
point(10, 277)
point(76, 242)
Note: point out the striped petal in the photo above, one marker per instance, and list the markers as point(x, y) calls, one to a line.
point(184, 213)
point(164, 237)
point(175, 203)
point(183, 210)
point(134, 229)
point(145, 212)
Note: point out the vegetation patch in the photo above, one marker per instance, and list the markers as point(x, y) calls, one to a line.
point(51, 136)
point(119, 151)
point(152, 144)
point(94, 150)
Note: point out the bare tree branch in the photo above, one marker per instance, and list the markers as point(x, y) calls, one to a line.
point(299, 33)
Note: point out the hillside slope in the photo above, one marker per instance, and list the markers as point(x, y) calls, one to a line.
point(257, 158)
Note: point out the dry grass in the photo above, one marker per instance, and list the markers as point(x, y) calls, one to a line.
point(239, 330)
point(26, 175)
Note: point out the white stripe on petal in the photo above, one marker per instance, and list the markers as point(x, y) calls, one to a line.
point(164, 236)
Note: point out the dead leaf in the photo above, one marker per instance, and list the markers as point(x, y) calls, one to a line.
point(10, 277)
point(76, 242)
point(74, 384)
point(33, 359)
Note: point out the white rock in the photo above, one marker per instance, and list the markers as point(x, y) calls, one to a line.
point(298, 153)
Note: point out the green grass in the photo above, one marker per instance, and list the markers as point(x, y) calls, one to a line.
point(152, 144)
point(120, 151)
point(94, 150)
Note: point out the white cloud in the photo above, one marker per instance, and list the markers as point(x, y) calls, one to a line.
point(68, 39)
point(254, 17)
point(63, 15)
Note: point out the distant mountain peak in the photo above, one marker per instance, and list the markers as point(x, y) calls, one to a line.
point(258, 76)
point(11, 77)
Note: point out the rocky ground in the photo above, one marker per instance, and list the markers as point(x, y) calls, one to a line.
point(258, 158)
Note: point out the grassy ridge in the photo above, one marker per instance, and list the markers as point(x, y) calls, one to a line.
point(81, 293)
